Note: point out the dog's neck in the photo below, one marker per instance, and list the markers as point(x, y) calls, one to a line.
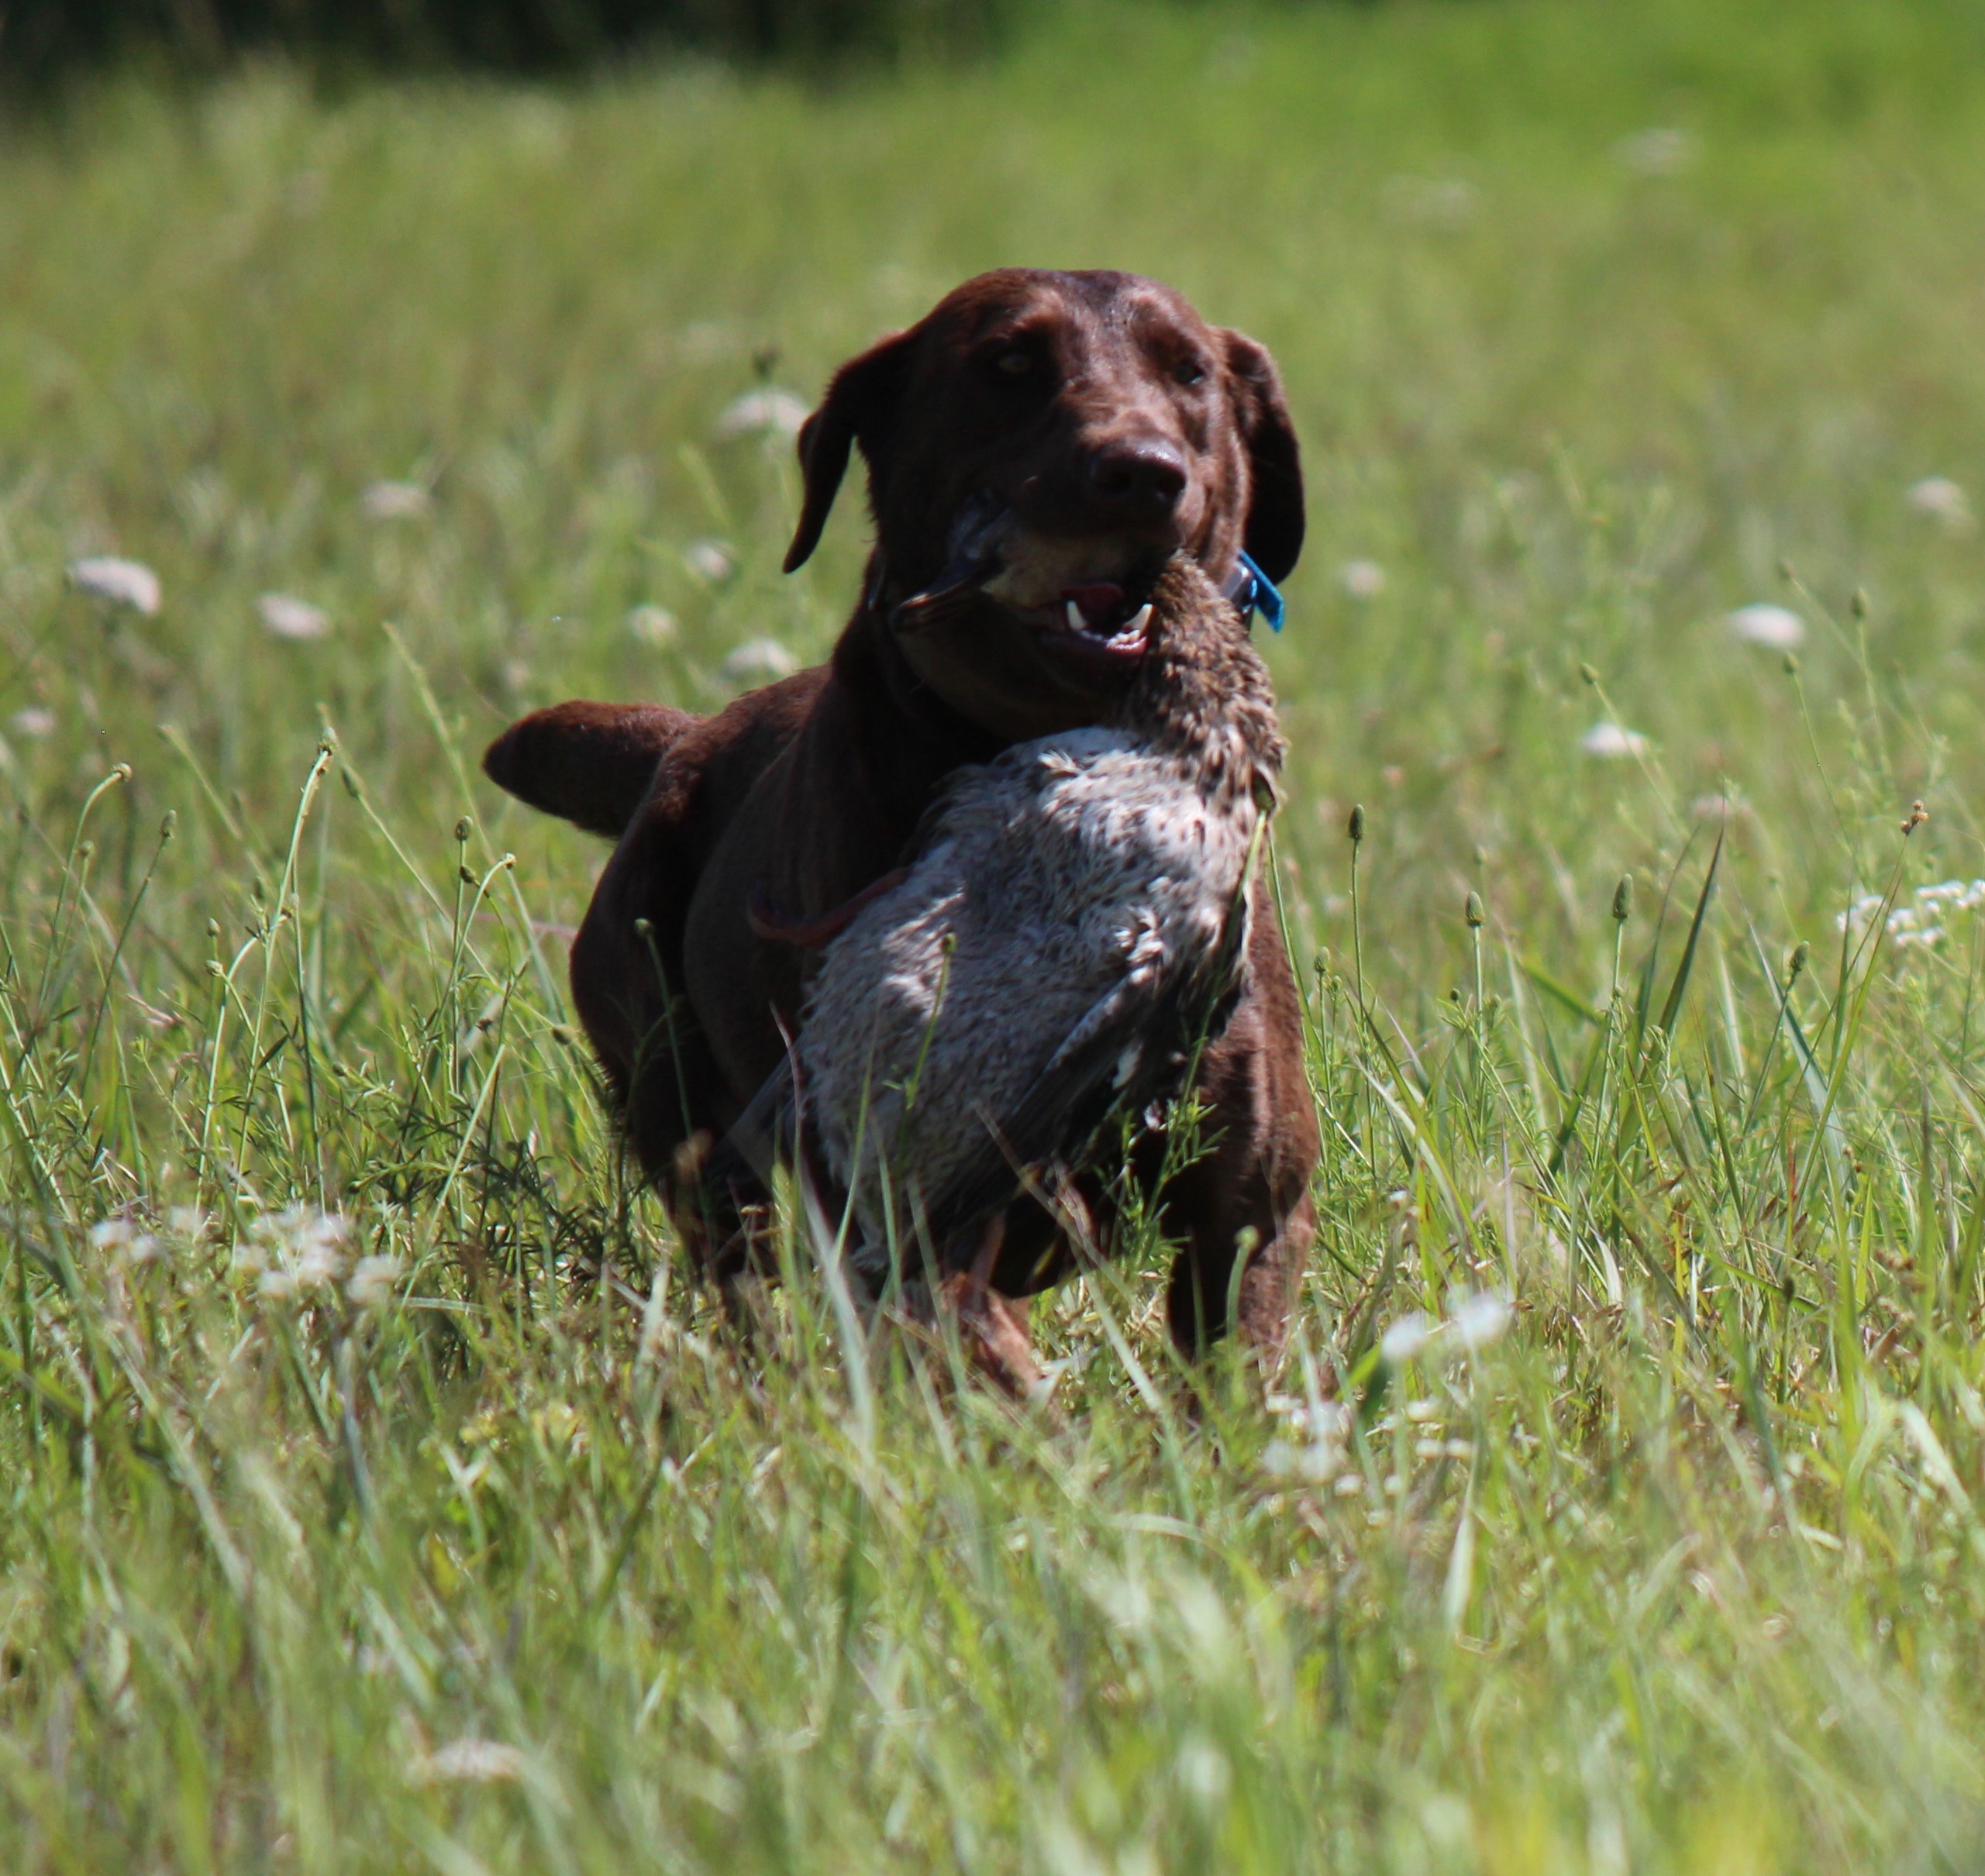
point(924, 731)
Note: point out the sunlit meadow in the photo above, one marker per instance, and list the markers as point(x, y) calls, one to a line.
point(378, 1490)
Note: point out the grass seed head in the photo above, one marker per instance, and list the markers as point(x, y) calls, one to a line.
point(1623, 900)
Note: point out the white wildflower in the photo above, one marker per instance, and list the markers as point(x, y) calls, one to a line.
point(387, 501)
point(1859, 913)
point(1661, 152)
point(759, 661)
point(316, 1227)
point(188, 1222)
point(1920, 922)
point(1961, 895)
point(300, 1249)
point(123, 582)
point(318, 1266)
point(1917, 923)
point(470, 1762)
point(653, 626)
point(288, 617)
point(1607, 740)
point(1404, 1341)
point(1322, 1420)
point(35, 721)
point(373, 1280)
point(319, 1258)
point(766, 412)
point(1361, 579)
point(1202, 1771)
point(1943, 500)
point(1478, 1317)
point(1316, 1454)
point(1778, 628)
point(112, 1234)
point(1286, 1459)
point(711, 560)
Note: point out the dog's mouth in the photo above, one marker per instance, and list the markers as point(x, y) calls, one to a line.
point(1087, 596)
point(1099, 616)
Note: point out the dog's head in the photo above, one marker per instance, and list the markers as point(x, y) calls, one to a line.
point(1042, 442)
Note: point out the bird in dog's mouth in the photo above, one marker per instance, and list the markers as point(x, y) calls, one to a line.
point(1086, 599)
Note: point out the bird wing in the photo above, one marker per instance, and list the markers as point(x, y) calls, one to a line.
point(1132, 1046)
point(1127, 1049)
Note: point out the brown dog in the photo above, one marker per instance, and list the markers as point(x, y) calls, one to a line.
point(1099, 416)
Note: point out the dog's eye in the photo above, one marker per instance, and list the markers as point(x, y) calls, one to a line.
point(1015, 363)
point(1188, 371)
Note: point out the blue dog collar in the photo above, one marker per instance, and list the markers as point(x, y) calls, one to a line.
point(1252, 590)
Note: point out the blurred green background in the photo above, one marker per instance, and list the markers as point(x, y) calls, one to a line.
point(1590, 316)
point(432, 392)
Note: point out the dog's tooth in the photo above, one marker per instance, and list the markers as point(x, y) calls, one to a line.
point(1141, 618)
point(1075, 621)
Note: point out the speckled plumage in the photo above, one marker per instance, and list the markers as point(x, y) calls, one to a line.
point(1072, 922)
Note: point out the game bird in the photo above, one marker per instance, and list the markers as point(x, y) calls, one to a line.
point(1070, 932)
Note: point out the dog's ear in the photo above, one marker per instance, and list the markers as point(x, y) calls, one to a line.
point(1274, 534)
point(859, 407)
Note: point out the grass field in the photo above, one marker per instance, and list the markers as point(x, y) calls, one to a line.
point(456, 1533)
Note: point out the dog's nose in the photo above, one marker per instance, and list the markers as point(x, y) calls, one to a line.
point(1142, 476)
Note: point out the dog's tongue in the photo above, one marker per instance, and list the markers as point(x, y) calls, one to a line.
point(1101, 604)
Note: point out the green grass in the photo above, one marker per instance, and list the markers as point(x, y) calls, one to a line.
point(1685, 1573)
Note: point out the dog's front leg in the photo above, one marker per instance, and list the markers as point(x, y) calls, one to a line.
point(1247, 1200)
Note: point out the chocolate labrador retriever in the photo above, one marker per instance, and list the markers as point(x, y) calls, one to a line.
point(1105, 425)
